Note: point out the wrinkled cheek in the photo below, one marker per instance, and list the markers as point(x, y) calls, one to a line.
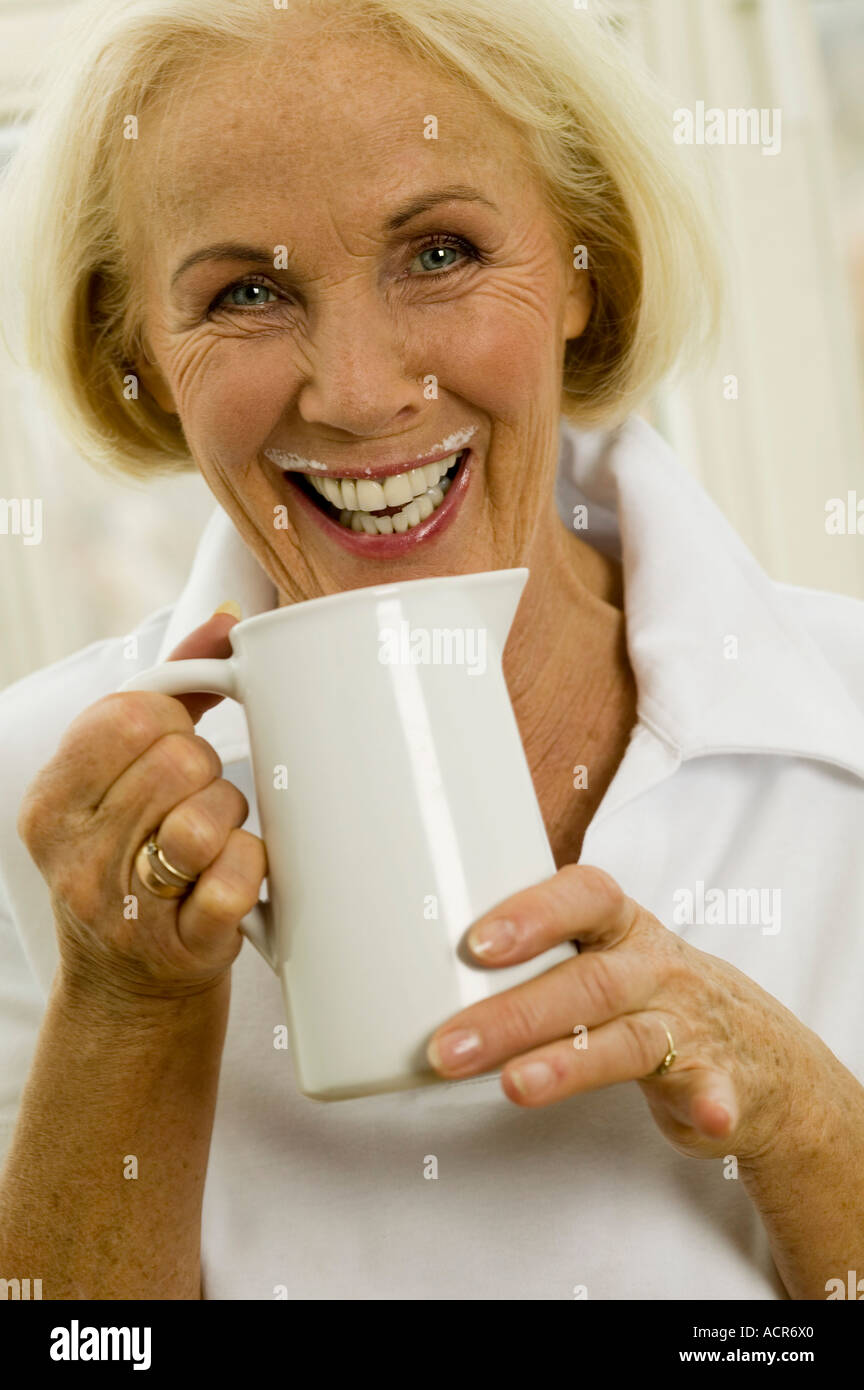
point(256, 504)
point(505, 366)
point(228, 405)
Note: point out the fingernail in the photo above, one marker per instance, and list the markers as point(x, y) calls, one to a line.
point(532, 1078)
point(452, 1049)
point(492, 938)
point(231, 608)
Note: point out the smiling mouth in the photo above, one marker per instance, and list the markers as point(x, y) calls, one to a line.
point(395, 504)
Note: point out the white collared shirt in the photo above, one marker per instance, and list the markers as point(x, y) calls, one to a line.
point(736, 816)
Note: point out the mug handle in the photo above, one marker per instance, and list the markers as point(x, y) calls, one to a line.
point(212, 677)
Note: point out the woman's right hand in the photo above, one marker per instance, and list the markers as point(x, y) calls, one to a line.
point(129, 766)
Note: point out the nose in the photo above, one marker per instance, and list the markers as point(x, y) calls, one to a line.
point(363, 374)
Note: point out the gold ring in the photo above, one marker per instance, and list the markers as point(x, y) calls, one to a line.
point(668, 1059)
point(158, 876)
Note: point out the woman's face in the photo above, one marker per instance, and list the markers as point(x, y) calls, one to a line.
point(421, 305)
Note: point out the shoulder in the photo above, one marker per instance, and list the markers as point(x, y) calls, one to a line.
point(835, 622)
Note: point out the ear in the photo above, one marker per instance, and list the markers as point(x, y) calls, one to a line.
point(580, 302)
point(148, 372)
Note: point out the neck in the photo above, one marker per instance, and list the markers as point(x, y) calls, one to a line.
point(570, 681)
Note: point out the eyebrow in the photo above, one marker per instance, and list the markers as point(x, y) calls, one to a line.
point(224, 251)
point(455, 192)
point(239, 251)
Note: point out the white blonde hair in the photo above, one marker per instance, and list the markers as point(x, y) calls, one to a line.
point(597, 131)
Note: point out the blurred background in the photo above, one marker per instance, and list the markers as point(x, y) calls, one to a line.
point(771, 457)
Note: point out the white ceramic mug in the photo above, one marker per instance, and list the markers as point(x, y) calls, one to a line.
point(396, 806)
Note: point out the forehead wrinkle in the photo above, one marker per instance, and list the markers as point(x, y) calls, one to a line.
point(357, 87)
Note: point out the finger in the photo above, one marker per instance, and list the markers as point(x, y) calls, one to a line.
point(208, 640)
point(580, 903)
point(227, 889)
point(105, 738)
point(176, 767)
point(626, 1049)
point(580, 993)
point(195, 831)
point(714, 1105)
point(700, 1098)
point(96, 749)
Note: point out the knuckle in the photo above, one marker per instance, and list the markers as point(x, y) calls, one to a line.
point(602, 986)
point(224, 896)
point(520, 1016)
point(195, 830)
point(602, 886)
point(191, 758)
point(30, 822)
point(240, 802)
point(137, 717)
point(640, 1039)
point(250, 849)
point(39, 824)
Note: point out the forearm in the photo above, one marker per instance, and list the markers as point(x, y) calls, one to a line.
point(114, 1092)
point(809, 1188)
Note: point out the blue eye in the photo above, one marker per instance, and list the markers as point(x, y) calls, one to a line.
point(442, 246)
point(224, 300)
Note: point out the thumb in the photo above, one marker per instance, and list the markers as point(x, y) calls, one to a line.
point(208, 640)
point(712, 1104)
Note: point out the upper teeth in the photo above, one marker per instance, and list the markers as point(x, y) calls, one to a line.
point(399, 490)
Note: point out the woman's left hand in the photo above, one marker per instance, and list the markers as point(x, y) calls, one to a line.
point(744, 1063)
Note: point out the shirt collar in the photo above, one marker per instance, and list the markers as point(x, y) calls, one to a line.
point(692, 590)
point(693, 593)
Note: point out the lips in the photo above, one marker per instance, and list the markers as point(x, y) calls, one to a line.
point(372, 524)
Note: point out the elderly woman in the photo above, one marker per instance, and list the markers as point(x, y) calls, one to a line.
point(365, 234)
